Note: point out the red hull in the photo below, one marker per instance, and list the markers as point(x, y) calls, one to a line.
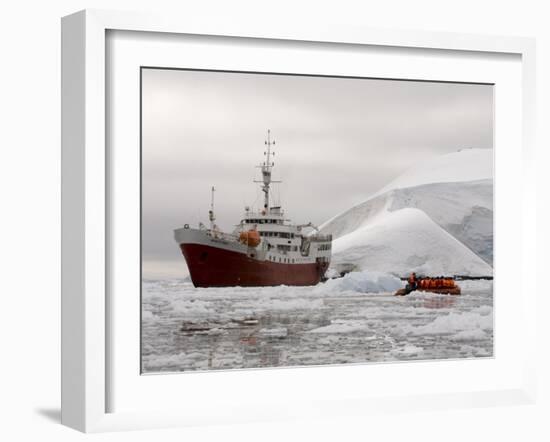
point(215, 267)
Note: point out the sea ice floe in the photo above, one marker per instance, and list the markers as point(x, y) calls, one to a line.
point(461, 324)
point(364, 281)
point(408, 350)
point(331, 323)
point(342, 326)
point(280, 332)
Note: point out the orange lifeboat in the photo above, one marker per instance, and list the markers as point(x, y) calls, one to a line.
point(250, 237)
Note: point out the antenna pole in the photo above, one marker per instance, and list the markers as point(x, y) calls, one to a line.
point(268, 148)
point(211, 215)
point(266, 170)
point(266, 167)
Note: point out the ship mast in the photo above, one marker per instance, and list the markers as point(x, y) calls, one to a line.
point(266, 167)
point(211, 215)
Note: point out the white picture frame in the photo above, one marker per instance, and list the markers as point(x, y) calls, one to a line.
point(85, 208)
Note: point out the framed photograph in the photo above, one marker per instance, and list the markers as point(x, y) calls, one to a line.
point(291, 222)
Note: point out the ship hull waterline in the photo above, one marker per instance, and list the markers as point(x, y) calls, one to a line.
point(217, 267)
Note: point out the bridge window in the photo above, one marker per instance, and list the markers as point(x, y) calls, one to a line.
point(283, 247)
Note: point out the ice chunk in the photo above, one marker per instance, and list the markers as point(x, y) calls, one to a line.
point(365, 281)
point(404, 241)
point(280, 332)
point(408, 349)
point(463, 325)
point(342, 326)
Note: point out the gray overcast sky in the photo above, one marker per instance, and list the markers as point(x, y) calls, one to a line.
point(337, 141)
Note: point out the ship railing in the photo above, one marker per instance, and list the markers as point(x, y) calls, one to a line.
point(262, 214)
point(216, 234)
point(320, 237)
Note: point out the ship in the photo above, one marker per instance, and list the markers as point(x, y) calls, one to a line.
point(264, 249)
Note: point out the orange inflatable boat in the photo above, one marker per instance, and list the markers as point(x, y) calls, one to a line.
point(442, 286)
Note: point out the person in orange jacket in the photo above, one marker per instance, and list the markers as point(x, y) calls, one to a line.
point(412, 283)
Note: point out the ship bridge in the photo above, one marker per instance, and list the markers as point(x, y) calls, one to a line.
point(274, 216)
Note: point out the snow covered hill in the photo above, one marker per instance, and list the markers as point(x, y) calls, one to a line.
point(450, 230)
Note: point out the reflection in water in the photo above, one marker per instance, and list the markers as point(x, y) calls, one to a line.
point(439, 302)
